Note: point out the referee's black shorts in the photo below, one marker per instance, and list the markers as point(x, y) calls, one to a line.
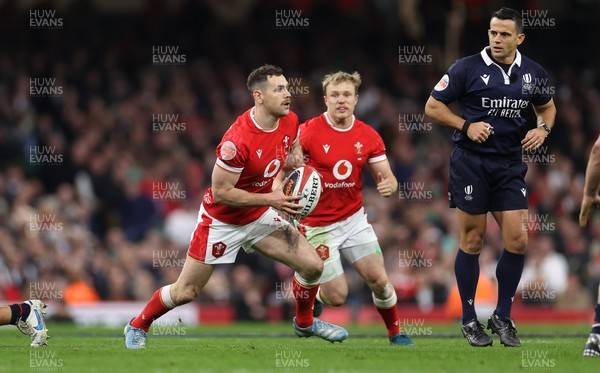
point(480, 183)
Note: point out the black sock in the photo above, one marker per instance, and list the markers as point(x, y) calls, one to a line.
point(19, 312)
point(596, 326)
point(508, 273)
point(466, 269)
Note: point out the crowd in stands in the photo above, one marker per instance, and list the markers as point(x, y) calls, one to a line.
point(101, 180)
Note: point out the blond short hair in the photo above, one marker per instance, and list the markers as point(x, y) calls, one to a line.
point(340, 77)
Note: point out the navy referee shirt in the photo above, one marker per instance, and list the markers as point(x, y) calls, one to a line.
point(488, 93)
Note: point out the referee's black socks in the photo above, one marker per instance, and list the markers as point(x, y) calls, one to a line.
point(20, 311)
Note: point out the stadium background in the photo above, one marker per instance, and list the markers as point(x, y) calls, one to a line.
point(110, 113)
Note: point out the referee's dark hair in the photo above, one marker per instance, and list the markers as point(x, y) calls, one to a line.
point(508, 13)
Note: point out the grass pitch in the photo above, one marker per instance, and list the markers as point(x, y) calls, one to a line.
point(274, 348)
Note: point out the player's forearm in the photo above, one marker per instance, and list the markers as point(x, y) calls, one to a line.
point(546, 114)
point(442, 114)
point(592, 173)
point(295, 159)
point(239, 198)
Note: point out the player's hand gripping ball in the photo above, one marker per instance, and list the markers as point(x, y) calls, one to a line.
point(304, 181)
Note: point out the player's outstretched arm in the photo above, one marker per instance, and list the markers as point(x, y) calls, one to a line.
point(225, 193)
point(591, 188)
point(441, 113)
point(383, 175)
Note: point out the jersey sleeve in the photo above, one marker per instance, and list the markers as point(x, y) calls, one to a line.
point(452, 85)
point(232, 153)
point(378, 152)
point(542, 92)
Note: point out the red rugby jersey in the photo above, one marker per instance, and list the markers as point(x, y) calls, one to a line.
point(340, 156)
point(257, 155)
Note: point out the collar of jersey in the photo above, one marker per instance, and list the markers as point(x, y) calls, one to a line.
point(337, 128)
point(258, 125)
point(489, 61)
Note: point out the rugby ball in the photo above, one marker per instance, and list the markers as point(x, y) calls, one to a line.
point(304, 181)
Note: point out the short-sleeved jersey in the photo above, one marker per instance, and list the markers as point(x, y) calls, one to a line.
point(487, 93)
point(257, 155)
point(339, 155)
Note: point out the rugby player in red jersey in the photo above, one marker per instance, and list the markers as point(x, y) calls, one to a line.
point(339, 146)
point(240, 209)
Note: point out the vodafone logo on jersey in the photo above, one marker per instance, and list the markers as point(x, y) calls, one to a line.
point(272, 168)
point(342, 169)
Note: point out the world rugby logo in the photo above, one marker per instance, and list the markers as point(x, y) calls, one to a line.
point(468, 192)
point(527, 82)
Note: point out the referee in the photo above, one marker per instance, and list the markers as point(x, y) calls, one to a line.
point(494, 88)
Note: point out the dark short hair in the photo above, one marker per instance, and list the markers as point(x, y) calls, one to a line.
point(259, 76)
point(508, 13)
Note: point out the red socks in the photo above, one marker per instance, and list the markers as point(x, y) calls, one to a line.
point(159, 304)
point(305, 294)
point(391, 318)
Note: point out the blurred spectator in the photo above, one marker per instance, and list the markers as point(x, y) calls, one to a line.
point(545, 276)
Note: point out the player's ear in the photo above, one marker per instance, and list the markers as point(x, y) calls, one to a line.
point(520, 38)
point(257, 95)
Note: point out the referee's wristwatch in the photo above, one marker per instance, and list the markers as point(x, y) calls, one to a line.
point(546, 127)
